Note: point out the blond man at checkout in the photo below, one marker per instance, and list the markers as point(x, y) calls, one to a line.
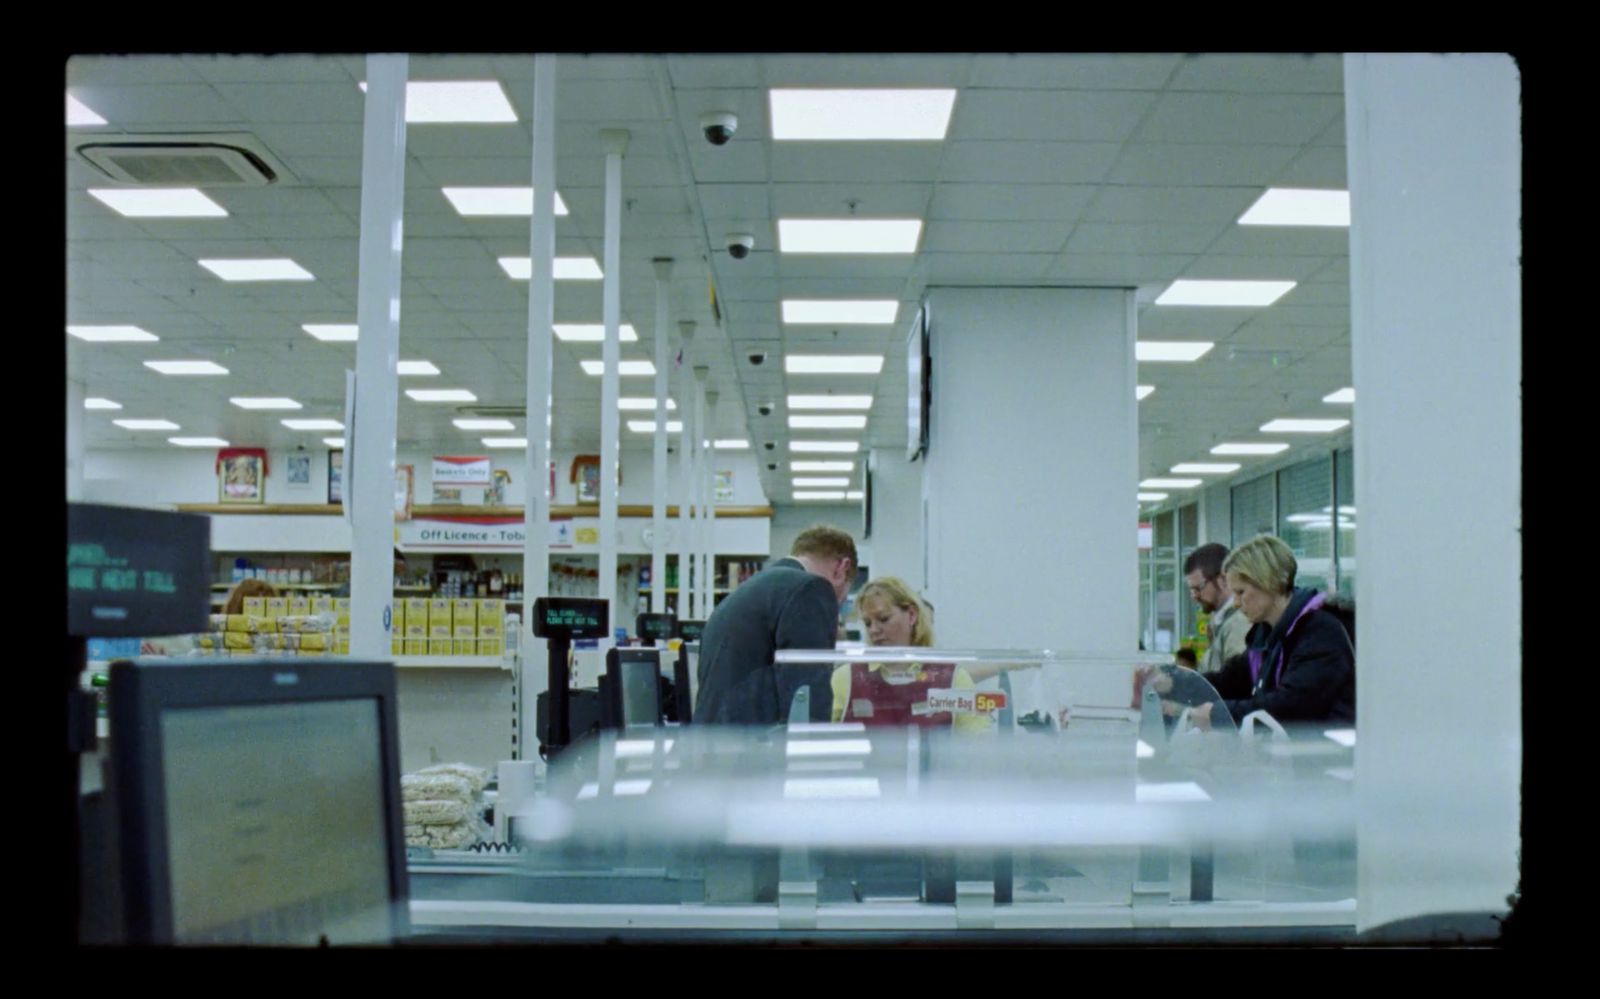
point(897, 693)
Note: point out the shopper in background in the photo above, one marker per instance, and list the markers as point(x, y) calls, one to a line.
point(1184, 657)
point(1299, 665)
point(1225, 632)
point(247, 588)
point(897, 693)
point(791, 604)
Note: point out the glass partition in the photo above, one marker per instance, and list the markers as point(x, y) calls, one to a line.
point(1344, 537)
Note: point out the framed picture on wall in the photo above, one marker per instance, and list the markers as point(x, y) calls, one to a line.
point(241, 478)
point(586, 477)
point(335, 476)
point(298, 468)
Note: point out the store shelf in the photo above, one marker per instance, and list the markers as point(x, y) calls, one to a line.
point(284, 586)
point(452, 662)
point(674, 589)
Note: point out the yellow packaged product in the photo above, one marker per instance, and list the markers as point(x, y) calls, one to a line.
point(441, 646)
point(322, 605)
point(344, 645)
point(464, 619)
point(313, 642)
point(492, 613)
point(465, 646)
point(299, 604)
point(397, 646)
point(416, 617)
point(416, 646)
point(397, 617)
point(488, 646)
point(238, 641)
point(255, 606)
point(341, 611)
point(277, 606)
point(245, 624)
point(439, 618)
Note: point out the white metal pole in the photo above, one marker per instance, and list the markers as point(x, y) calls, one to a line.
point(371, 440)
point(75, 396)
point(710, 444)
point(702, 591)
point(686, 466)
point(541, 313)
point(615, 142)
point(658, 528)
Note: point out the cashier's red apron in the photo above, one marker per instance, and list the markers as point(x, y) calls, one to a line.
point(881, 697)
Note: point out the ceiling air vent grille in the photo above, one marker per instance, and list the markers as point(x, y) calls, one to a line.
point(179, 164)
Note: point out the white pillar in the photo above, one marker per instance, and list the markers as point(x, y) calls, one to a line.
point(371, 440)
point(615, 142)
point(541, 313)
point(1435, 308)
point(897, 545)
point(709, 437)
point(658, 529)
point(686, 467)
point(76, 391)
point(702, 462)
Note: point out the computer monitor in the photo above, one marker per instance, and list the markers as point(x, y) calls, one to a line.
point(631, 694)
point(258, 802)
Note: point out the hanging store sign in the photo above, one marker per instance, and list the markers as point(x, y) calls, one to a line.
point(462, 471)
point(461, 533)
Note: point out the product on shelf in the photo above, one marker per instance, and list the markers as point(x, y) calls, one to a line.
point(277, 606)
point(464, 619)
point(299, 604)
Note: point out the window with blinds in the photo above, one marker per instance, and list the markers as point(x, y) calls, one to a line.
point(1252, 510)
point(1306, 519)
point(1344, 541)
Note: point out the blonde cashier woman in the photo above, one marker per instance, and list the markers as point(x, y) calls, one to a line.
point(897, 693)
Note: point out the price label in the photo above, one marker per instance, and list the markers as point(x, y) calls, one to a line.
point(990, 700)
point(966, 701)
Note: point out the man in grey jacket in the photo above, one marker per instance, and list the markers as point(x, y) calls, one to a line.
point(1202, 571)
point(791, 604)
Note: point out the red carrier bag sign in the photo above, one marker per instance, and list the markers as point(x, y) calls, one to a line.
point(966, 701)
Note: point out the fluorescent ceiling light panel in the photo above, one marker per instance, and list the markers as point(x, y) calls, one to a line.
point(518, 443)
point(158, 203)
point(627, 369)
point(881, 115)
point(833, 364)
point(496, 201)
point(1171, 350)
point(1152, 497)
point(830, 402)
point(649, 426)
point(815, 447)
point(79, 113)
point(264, 402)
point(459, 102)
point(111, 334)
point(810, 494)
point(1140, 391)
point(186, 367)
point(1299, 206)
point(197, 441)
point(1343, 395)
point(94, 402)
point(818, 481)
point(807, 421)
point(637, 403)
point(146, 424)
point(416, 368)
point(840, 311)
point(821, 466)
point(441, 395)
point(848, 235)
point(731, 444)
point(565, 268)
point(1205, 468)
point(1190, 291)
point(333, 332)
point(337, 443)
point(1169, 483)
point(312, 424)
point(593, 332)
point(1252, 449)
point(484, 424)
point(265, 269)
point(855, 494)
point(1303, 426)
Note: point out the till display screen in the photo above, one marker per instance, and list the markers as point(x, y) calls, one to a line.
point(569, 618)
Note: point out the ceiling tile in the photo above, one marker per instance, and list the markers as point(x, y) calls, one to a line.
point(1010, 202)
point(701, 71)
point(995, 237)
point(1054, 115)
point(1088, 72)
point(1269, 241)
point(1180, 164)
point(1246, 118)
point(720, 201)
point(126, 70)
point(809, 162)
point(1286, 73)
point(1318, 166)
point(1170, 204)
point(879, 70)
point(872, 200)
point(1027, 162)
point(1079, 268)
point(1268, 268)
point(1153, 238)
point(969, 267)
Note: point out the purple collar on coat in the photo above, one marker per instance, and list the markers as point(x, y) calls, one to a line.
point(1255, 655)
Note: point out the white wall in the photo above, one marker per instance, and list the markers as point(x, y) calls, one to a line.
point(897, 532)
point(75, 447)
point(789, 519)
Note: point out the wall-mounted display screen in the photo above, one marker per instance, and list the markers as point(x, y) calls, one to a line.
point(136, 573)
point(570, 617)
point(919, 398)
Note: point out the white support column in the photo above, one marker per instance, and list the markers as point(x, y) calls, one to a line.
point(658, 529)
point(1434, 155)
point(686, 466)
point(541, 313)
point(709, 436)
point(76, 391)
point(897, 544)
point(615, 142)
point(371, 440)
point(702, 462)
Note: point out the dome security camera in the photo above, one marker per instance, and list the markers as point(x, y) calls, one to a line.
point(769, 445)
point(765, 409)
point(719, 126)
point(772, 466)
point(740, 244)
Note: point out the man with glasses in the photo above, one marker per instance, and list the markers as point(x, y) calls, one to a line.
point(1202, 571)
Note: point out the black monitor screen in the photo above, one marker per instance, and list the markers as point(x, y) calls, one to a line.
point(133, 572)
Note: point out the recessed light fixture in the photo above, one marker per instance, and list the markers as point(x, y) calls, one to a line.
point(626, 369)
point(636, 403)
point(459, 102)
point(840, 311)
point(1152, 497)
point(875, 115)
point(1345, 395)
point(813, 482)
point(821, 466)
point(264, 402)
point(480, 202)
point(593, 332)
point(1169, 483)
point(1205, 468)
point(337, 443)
point(564, 268)
point(158, 203)
point(837, 447)
point(484, 424)
point(1299, 206)
point(806, 494)
point(111, 334)
point(415, 368)
point(146, 424)
point(1303, 426)
point(333, 332)
point(649, 426)
point(855, 494)
point(1251, 294)
point(848, 235)
point(1171, 350)
point(830, 402)
point(186, 367)
point(519, 443)
point(264, 269)
point(1140, 391)
point(441, 395)
point(833, 364)
point(731, 444)
point(807, 421)
point(94, 402)
point(1272, 447)
point(197, 441)
point(79, 113)
point(312, 424)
